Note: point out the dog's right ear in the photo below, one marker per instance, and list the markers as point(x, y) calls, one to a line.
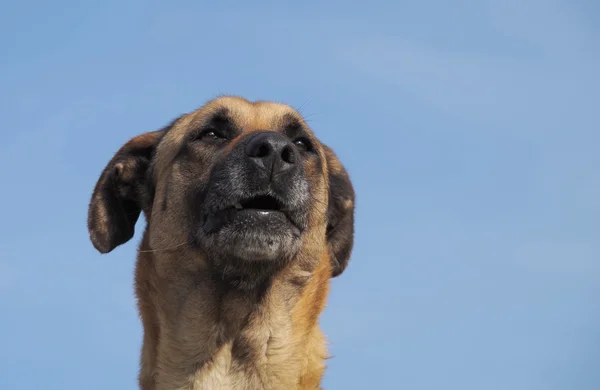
point(340, 214)
point(121, 192)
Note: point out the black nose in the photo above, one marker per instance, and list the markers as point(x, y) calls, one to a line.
point(272, 152)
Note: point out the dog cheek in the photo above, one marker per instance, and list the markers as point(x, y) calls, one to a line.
point(299, 193)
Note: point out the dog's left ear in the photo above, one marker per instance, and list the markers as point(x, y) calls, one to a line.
point(121, 193)
point(340, 214)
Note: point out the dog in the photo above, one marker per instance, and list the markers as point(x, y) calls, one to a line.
point(248, 217)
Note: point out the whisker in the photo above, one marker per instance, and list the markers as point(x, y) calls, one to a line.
point(163, 249)
point(306, 102)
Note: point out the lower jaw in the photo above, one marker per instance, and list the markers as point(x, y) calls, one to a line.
point(251, 217)
point(247, 271)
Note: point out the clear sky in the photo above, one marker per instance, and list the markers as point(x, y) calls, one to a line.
point(470, 129)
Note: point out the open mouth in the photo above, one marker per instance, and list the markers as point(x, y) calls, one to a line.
point(264, 203)
point(258, 211)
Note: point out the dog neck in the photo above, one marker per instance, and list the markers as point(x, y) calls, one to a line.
point(202, 333)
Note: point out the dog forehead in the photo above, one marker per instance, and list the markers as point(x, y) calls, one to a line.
point(249, 116)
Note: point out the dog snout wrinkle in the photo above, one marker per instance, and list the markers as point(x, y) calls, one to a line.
point(272, 152)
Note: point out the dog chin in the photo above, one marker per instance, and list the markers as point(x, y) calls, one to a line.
point(250, 235)
point(247, 259)
point(255, 245)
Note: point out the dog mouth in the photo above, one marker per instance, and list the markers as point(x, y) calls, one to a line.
point(260, 211)
point(260, 203)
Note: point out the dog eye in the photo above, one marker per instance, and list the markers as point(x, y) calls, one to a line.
point(303, 144)
point(210, 135)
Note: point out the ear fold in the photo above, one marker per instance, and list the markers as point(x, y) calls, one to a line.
point(121, 192)
point(340, 214)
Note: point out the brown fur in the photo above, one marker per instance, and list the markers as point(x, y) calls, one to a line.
point(197, 334)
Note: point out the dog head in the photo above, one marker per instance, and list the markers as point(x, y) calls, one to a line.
point(245, 187)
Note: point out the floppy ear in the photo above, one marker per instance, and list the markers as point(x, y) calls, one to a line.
point(340, 214)
point(122, 191)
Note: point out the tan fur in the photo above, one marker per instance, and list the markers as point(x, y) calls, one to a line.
point(182, 345)
point(285, 330)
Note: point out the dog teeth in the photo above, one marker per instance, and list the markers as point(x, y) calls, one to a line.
point(238, 206)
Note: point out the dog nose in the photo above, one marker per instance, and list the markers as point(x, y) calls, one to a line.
point(272, 152)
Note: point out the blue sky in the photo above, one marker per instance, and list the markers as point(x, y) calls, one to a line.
point(470, 129)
